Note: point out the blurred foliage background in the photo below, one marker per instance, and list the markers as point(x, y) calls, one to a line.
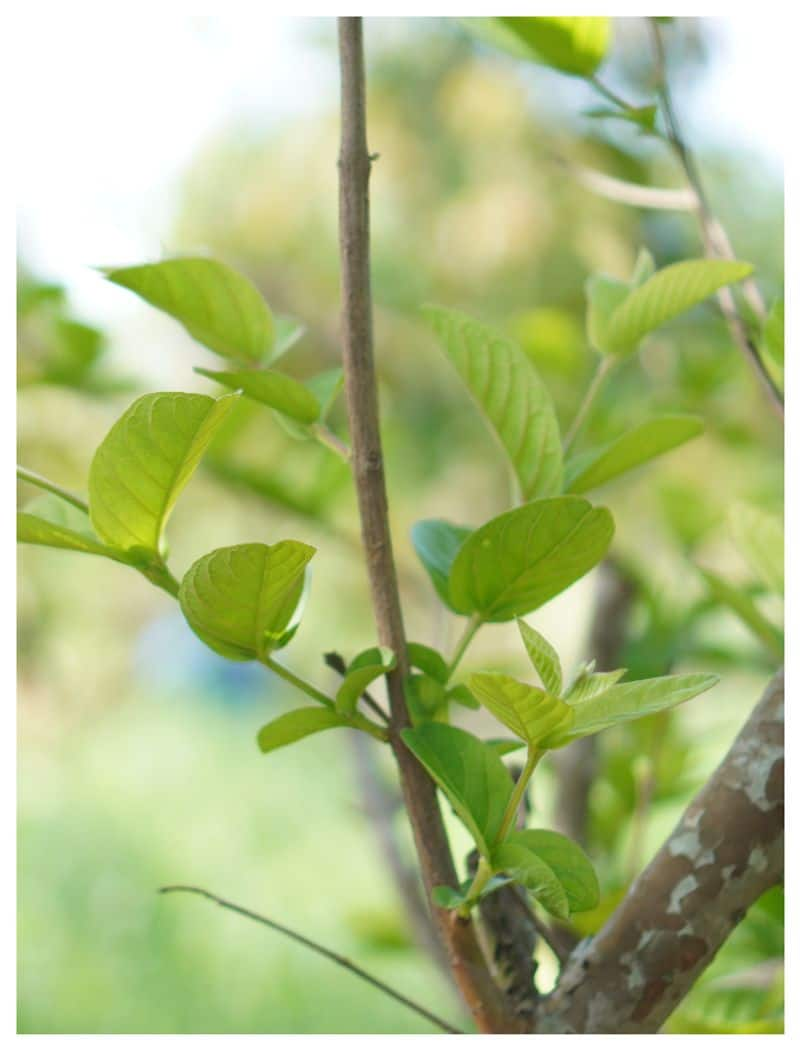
point(137, 763)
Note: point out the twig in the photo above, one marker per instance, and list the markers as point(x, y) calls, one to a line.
point(340, 960)
point(336, 663)
point(604, 366)
point(481, 994)
point(715, 240)
point(32, 478)
point(652, 198)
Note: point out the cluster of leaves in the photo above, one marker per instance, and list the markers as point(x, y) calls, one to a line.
point(245, 601)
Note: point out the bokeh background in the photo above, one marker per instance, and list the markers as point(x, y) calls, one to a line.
point(137, 762)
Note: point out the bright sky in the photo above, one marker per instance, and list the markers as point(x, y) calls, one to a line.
point(118, 106)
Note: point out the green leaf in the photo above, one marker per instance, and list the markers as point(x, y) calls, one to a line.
point(326, 387)
point(631, 700)
point(287, 332)
point(275, 389)
point(603, 296)
point(426, 697)
point(665, 295)
point(643, 269)
point(239, 600)
point(471, 775)
point(652, 438)
point(216, 305)
point(461, 695)
point(572, 45)
point(51, 522)
point(772, 337)
point(144, 462)
point(506, 386)
point(567, 860)
point(531, 713)
point(428, 660)
point(363, 670)
point(534, 874)
point(504, 747)
point(437, 543)
point(747, 611)
point(643, 117)
point(587, 685)
point(543, 657)
point(523, 558)
point(759, 537)
point(447, 897)
point(295, 725)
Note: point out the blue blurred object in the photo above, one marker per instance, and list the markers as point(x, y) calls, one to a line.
point(169, 659)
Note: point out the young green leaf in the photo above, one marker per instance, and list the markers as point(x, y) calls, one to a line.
point(572, 45)
point(295, 725)
point(461, 695)
point(447, 897)
point(363, 670)
point(642, 117)
point(240, 600)
point(523, 558)
point(588, 684)
point(531, 713)
point(535, 874)
point(504, 747)
point(566, 859)
point(543, 657)
point(603, 295)
point(428, 660)
point(437, 543)
point(275, 389)
point(287, 332)
point(772, 338)
point(425, 696)
point(143, 463)
point(51, 522)
point(759, 536)
point(506, 386)
point(652, 438)
point(643, 269)
point(747, 611)
point(631, 700)
point(216, 305)
point(665, 295)
point(471, 775)
point(326, 387)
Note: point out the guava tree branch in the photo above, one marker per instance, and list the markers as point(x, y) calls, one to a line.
point(482, 996)
point(726, 851)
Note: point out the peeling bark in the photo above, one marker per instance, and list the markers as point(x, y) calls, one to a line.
point(724, 853)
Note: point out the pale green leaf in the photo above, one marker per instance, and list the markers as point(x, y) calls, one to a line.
point(363, 670)
point(437, 543)
point(504, 747)
point(428, 660)
point(644, 268)
point(469, 772)
point(665, 295)
point(326, 387)
point(460, 694)
point(217, 306)
point(570, 44)
point(51, 522)
point(543, 657)
point(567, 860)
point(534, 874)
point(772, 335)
point(644, 442)
point(143, 463)
point(523, 558)
point(287, 332)
point(603, 296)
point(275, 389)
point(506, 386)
point(240, 600)
point(747, 611)
point(588, 684)
point(631, 700)
point(759, 537)
point(295, 725)
point(531, 713)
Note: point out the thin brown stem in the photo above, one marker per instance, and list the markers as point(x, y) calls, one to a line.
point(715, 241)
point(340, 960)
point(483, 998)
